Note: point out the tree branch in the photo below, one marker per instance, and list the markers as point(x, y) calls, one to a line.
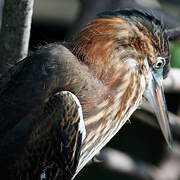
point(121, 162)
point(174, 34)
point(15, 32)
point(172, 83)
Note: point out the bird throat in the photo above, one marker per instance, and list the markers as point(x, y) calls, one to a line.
point(113, 57)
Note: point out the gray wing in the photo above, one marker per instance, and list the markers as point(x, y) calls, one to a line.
point(32, 81)
point(24, 94)
point(66, 135)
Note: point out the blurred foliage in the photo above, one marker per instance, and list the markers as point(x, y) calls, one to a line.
point(175, 54)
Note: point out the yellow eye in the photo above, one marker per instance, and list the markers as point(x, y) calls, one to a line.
point(160, 62)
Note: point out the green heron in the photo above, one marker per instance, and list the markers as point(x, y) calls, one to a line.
point(64, 103)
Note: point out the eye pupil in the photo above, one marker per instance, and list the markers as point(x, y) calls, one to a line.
point(160, 62)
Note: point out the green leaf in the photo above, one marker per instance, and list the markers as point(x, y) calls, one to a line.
point(175, 54)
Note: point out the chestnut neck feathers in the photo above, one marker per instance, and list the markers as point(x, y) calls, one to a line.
point(118, 47)
point(115, 36)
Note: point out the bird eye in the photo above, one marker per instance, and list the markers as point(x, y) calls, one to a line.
point(160, 62)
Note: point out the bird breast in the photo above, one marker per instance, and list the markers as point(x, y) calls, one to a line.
point(124, 94)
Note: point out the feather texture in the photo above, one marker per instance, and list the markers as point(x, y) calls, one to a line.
point(103, 73)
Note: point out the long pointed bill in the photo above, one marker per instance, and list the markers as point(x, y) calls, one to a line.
point(155, 96)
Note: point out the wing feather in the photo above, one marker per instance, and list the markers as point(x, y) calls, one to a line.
point(32, 128)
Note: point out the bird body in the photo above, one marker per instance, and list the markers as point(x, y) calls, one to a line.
point(117, 47)
point(111, 64)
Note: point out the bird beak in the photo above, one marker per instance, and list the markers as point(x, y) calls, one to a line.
point(155, 95)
